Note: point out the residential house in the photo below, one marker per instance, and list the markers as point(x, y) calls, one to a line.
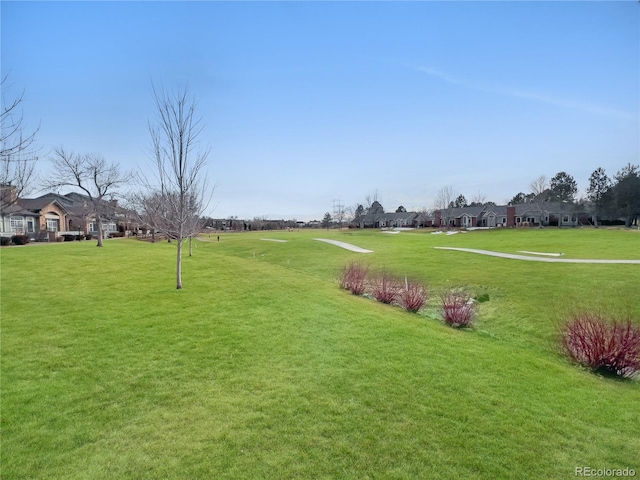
point(38, 218)
point(45, 217)
point(16, 220)
point(518, 215)
point(81, 217)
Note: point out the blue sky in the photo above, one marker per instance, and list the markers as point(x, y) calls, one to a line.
point(305, 103)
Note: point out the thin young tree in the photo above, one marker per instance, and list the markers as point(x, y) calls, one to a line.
point(91, 174)
point(177, 194)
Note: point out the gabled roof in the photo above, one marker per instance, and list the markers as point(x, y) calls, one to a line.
point(16, 209)
point(549, 207)
point(407, 216)
point(37, 204)
point(458, 212)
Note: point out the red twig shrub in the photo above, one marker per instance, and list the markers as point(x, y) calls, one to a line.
point(457, 308)
point(413, 296)
point(611, 348)
point(386, 288)
point(353, 278)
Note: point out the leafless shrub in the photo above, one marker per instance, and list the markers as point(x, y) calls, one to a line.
point(609, 347)
point(458, 309)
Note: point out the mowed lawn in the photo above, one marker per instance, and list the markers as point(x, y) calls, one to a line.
point(261, 367)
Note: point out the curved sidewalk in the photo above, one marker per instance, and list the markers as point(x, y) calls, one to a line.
point(538, 259)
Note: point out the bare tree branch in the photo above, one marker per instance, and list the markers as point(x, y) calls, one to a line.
point(18, 154)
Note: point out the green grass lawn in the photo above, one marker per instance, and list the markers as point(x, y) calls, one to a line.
point(261, 367)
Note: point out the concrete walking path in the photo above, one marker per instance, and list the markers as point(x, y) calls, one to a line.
point(344, 245)
point(538, 259)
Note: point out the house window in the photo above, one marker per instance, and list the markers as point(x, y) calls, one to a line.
point(518, 219)
point(504, 220)
point(52, 224)
point(565, 219)
point(17, 224)
point(30, 225)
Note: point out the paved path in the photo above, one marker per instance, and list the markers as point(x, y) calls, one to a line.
point(347, 246)
point(537, 259)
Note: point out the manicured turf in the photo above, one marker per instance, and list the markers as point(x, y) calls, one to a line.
point(261, 367)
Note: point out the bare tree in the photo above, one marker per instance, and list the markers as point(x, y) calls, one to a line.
point(91, 174)
point(369, 200)
point(444, 201)
point(178, 193)
point(18, 154)
point(354, 213)
point(541, 194)
point(479, 199)
point(339, 212)
point(540, 186)
point(444, 197)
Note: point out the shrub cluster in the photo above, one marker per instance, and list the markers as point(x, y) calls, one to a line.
point(353, 278)
point(413, 296)
point(19, 239)
point(608, 347)
point(384, 287)
point(457, 308)
point(4, 241)
point(591, 340)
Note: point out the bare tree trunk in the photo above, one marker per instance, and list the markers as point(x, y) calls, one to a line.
point(99, 222)
point(179, 265)
point(190, 245)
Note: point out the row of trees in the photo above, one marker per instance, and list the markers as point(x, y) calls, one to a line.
point(608, 198)
point(619, 197)
point(171, 200)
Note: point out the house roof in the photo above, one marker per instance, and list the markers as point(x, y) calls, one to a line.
point(458, 212)
point(406, 216)
point(16, 209)
point(37, 204)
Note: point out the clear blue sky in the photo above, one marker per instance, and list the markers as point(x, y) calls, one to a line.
point(308, 102)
